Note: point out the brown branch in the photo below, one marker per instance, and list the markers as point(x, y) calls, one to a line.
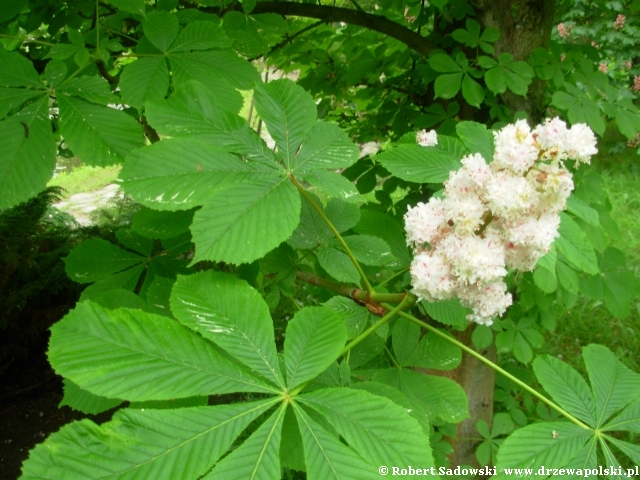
point(290, 38)
point(372, 302)
point(329, 14)
point(102, 68)
point(149, 131)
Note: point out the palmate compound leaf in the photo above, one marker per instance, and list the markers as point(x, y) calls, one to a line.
point(142, 444)
point(136, 355)
point(227, 311)
point(249, 208)
point(194, 111)
point(375, 427)
point(305, 144)
point(315, 337)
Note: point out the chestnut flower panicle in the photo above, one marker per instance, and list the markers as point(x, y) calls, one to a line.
point(494, 217)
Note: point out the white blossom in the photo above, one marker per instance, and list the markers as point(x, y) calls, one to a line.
point(581, 143)
point(427, 139)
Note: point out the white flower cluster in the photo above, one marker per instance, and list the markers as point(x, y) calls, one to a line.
point(494, 217)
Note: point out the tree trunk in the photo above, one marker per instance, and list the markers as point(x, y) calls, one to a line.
point(477, 380)
point(524, 25)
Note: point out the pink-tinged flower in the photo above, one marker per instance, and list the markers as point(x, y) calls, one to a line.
point(636, 84)
point(563, 57)
point(603, 67)
point(628, 65)
point(595, 45)
point(562, 30)
point(427, 139)
point(619, 23)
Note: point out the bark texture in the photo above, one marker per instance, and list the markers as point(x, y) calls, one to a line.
point(477, 380)
point(523, 25)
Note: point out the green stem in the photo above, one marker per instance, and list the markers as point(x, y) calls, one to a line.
point(475, 354)
point(393, 359)
point(26, 40)
point(346, 248)
point(351, 292)
point(407, 302)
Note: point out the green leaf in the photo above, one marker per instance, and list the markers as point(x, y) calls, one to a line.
point(567, 277)
point(435, 352)
point(96, 259)
point(120, 298)
point(231, 314)
point(325, 146)
point(145, 79)
point(405, 338)
point(85, 402)
point(439, 396)
point(355, 317)
point(368, 249)
point(27, 153)
point(338, 265)
point(481, 337)
point(291, 450)
point(132, 240)
point(160, 444)
point(140, 356)
point(472, 92)
point(100, 136)
point(183, 173)
point(157, 295)
point(195, 111)
point(447, 86)
point(162, 225)
point(94, 89)
point(566, 386)
point(545, 279)
point(385, 227)
point(259, 456)
point(477, 139)
point(326, 457)
point(186, 70)
point(449, 312)
point(125, 280)
point(495, 80)
point(312, 230)
point(131, 6)
point(414, 163)
point(200, 36)
point(614, 385)
point(210, 67)
point(290, 113)
point(11, 98)
point(378, 429)
point(315, 337)
point(552, 444)
point(629, 419)
point(242, 224)
point(443, 63)
point(617, 287)
point(583, 211)
point(343, 215)
point(334, 185)
point(18, 71)
point(574, 244)
point(161, 28)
